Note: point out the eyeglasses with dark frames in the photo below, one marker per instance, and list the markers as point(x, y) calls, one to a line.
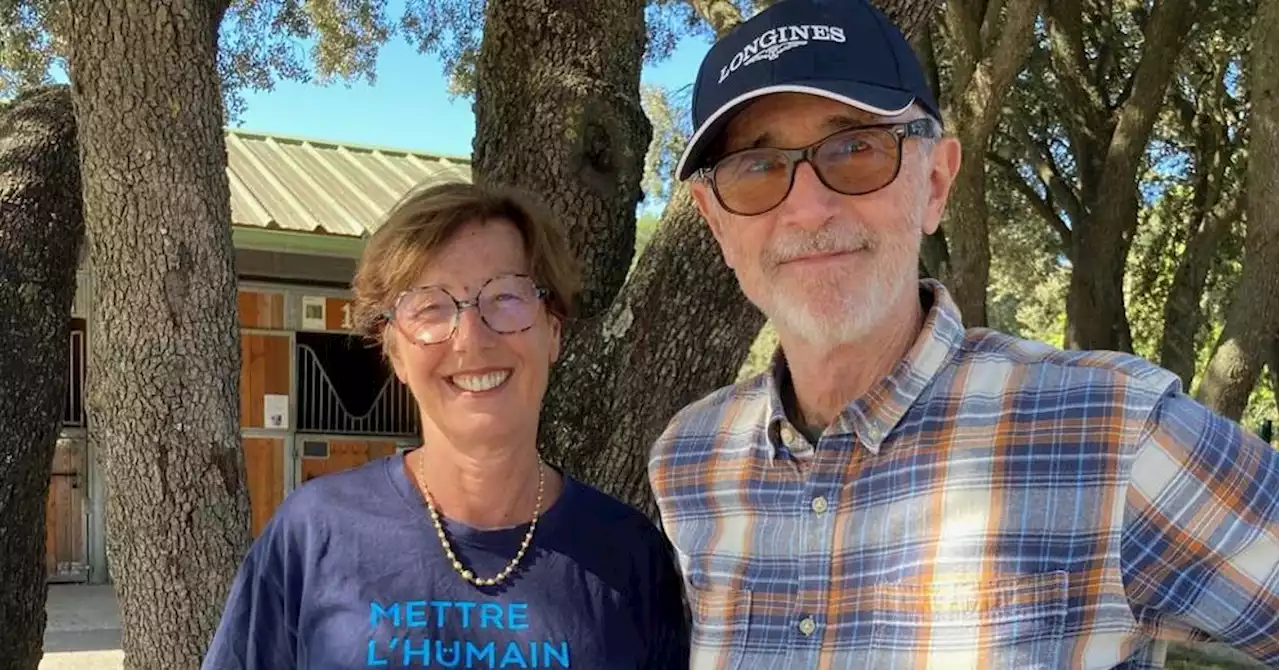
point(507, 304)
point(853, 161)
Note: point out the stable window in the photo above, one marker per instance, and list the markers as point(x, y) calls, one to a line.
point(345, 388)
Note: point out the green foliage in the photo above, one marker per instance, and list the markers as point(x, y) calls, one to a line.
point(451, 30)
point(1202, 657)
point(1263, 407)
point(1157, 248)
point(1027, 290)
point(30, 43)
point(348, 35)
point(646, 226)
point(761, 353)
point(667, 114)
point(261, 42)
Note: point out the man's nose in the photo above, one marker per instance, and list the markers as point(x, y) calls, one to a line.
point(810, 204)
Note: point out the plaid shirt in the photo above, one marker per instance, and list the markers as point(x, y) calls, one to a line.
point(993, 503)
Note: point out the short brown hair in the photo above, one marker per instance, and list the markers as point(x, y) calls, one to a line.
point(424, 220)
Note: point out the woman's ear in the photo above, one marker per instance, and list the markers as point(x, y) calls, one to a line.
point(391, 351)
point(555, 338)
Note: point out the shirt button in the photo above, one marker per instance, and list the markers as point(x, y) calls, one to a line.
point(873, 433)
point(819, 504)
point(807, 626)
point(788, 435)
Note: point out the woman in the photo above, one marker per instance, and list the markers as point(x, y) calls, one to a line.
point(469, 551)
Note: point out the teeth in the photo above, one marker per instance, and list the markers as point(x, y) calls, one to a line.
point(477, 383)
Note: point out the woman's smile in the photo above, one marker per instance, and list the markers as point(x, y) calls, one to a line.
point(481, 382)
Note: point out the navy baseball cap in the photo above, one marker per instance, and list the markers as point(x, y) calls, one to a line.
point(844, 50)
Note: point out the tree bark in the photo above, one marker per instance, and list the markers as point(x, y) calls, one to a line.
point(1249, 336)
point(662, 345)
point(572, 129)
point(1116, 140)
point(911, 16)
point(935, 261)
point(558, 112)
point(1183, 317)
point(983, 72)
point(1209, 223)
point(41, 229)
point(163, 380)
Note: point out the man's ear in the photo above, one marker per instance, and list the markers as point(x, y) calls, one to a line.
point(704, 200)
point(946, 157)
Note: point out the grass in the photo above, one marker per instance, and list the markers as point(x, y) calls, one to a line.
point(1207, 658)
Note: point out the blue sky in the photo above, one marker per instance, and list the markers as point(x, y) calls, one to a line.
point(408, 107)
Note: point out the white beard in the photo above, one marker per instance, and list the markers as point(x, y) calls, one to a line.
point(832, 308)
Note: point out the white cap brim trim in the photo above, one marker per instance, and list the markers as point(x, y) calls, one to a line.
point(781, 88)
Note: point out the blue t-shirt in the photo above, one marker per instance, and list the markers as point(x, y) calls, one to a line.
point(349, 573)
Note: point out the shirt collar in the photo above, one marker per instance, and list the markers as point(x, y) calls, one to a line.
point(872, 417)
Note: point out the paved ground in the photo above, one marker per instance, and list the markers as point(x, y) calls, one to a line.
point(83, 630)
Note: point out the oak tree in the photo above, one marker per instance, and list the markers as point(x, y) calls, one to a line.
point(163, 381)
point(1249, 338)
point(41, 230)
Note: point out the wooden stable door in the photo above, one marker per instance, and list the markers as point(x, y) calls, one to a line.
point(340, 454)
point(264, 473)
point(65, 544)
point(264, 381)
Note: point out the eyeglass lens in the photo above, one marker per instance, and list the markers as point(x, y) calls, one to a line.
point(853, 162)
point(506, 304)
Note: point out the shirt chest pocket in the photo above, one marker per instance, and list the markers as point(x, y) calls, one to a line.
point(1014, 623)
point(721, 596)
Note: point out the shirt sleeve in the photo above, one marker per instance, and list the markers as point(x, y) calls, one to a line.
point(258, 631)
point(1199, 550)
point(668, 617)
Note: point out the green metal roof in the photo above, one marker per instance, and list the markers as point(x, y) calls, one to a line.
point(302, 185)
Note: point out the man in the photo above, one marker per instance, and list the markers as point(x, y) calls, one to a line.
point(897, 491)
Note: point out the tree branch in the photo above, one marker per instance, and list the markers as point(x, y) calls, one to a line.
point(991, 29)
point(910, 16)
point(1045, 208)
point(721, 15)
point(962, 19)
point(996, 71)
point(1046, 168)
point(1085, 109)
point(1009, 52)
point(926, 51)
point(1163, 34)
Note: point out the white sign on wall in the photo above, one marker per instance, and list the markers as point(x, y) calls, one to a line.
point(313, 312)
point(275, 411)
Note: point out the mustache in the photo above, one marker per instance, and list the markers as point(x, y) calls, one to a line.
point(825, 240)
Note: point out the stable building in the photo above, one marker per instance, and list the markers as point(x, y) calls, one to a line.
point(314, 398)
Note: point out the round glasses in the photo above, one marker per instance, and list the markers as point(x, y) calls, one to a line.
point(429, 314)
point(855, 161)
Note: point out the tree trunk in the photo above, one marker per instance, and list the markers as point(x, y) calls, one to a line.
point(935, 258)
point(1209, 222)
point(660, 347)
point(1183, 317)
point(163, 380)
point(1249, 337)
point(41, 229)
point(1116, 140)
point(558, 113)
point(572, 130)
point(984, 70)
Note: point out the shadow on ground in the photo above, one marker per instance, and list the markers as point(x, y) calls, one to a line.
point(86, 640)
